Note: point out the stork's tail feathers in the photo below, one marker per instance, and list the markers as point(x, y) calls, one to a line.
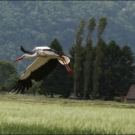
point(67, 60)
point(23, 50)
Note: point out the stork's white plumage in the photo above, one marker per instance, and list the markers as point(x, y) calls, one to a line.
point(46, 61)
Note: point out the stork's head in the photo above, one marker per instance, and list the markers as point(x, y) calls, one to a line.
point(22, 57)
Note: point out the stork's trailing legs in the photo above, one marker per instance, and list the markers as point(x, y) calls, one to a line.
point(67, 67)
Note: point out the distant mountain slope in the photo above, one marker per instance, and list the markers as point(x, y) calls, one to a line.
point(36, 23)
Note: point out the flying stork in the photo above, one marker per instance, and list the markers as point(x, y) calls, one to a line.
point(46, 61)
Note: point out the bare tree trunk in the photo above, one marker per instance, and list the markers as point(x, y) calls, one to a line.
point(51, 94)
point(85, 88)
point(74, 89)
point(84, 95)
point(34, 92)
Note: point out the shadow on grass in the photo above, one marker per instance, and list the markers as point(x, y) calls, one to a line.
point(13, 128)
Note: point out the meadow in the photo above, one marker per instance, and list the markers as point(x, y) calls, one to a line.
point(22, 114)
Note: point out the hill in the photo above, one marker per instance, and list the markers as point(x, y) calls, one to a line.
point(36, 23)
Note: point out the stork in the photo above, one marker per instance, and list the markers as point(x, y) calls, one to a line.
point(46, 61)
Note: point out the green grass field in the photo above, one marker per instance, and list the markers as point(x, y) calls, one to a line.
point(21, 114)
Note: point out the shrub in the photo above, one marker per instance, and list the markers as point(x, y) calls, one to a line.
point(117, 99)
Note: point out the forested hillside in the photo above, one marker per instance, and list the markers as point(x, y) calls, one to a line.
point(36, 23)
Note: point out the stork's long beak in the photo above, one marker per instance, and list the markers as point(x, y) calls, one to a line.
point(20, 58)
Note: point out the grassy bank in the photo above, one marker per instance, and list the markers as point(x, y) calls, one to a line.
point(39, 115)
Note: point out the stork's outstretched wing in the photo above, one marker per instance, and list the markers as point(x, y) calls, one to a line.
point(39, 69)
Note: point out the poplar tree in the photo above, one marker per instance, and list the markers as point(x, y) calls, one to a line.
point(78, 54)
point(72, 56)
point(99, 56)
point(88, 55)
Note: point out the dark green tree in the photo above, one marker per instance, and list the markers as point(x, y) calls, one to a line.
point(77, 55)
point(8, 74)
point(126, 69)
point(108, 81)
point(101, 26)
point(88, 56)
point(57, 81)
point(118, 74)
point(71, 80)
point(80, 87)
point(98, 71)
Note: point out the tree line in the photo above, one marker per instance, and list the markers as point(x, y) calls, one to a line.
point(101, 69)
point(104, 69)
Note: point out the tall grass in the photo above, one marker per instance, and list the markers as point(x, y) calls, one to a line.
point(25, 117)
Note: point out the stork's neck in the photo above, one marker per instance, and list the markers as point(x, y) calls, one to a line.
point(30, 55)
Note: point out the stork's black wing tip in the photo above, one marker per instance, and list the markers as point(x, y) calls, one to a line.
point(21, 85)
point(25, 51)
point(21, 47)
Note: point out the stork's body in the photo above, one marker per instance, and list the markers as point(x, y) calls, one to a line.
point(46, 61)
